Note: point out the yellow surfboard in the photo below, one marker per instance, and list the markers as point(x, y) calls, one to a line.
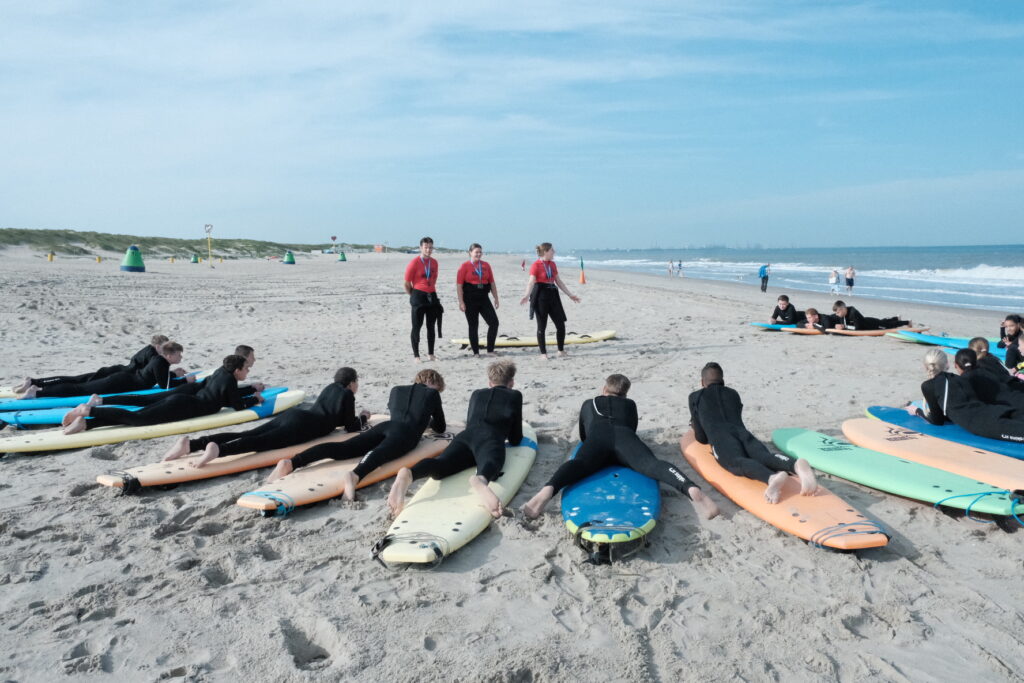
point(531, 340)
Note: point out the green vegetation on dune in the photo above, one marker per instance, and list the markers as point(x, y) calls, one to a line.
point(86, 243)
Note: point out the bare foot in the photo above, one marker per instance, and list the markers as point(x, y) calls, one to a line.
point(416, 359)
point(563, 354)
point(432, 357)
point(493, 354)
point(396, 497)
point(23, 387)
point(81, 410)
point(179, 449)
point(348, 483)
point(544, 356)
point(283, 469)
point(775, 484)
point(702, 504)
point(30, 392)
point(212, 451)
point(808, 482)
point(94, 400)
point(491, 502)
point(78, 425)
point(535, 506)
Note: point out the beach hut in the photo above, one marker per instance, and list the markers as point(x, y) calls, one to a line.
point(132, 261)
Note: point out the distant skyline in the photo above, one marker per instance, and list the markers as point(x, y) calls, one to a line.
point(593, 125)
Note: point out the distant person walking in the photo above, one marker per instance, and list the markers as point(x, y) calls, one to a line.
point(763, 273)
point(833, 282)
point(850, 274)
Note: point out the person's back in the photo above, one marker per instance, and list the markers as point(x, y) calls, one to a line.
point(335, 407)
point(607, 414)
point(716, 410)
point(417, 406)
point(498, 410)
point(220, 390)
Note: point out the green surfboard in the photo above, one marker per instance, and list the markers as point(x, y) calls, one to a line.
point(894, 475)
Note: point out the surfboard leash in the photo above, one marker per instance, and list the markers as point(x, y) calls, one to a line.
point(284, 503)
point(1014, 501)
point(436, 543)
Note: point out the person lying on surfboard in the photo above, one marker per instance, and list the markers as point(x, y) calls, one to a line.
point(849, 318)
point(607, 427)
point(412, 409)
point(495, 415)
point(785, 313)
point(818, 321)
point(716, 418)
point(334, 407)
point(990, 389)
point(218, 390)
point(137, 362)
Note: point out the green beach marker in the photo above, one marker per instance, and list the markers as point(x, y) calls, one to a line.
point(132, 261)
point(195, 258)
point(341, 256)
point(289, 258)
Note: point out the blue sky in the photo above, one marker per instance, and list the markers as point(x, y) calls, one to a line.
point(588, 124)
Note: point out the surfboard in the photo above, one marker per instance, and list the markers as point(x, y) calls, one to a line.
point(275, 401)
point(614, 505)
point(180, 471)
point(900, 442)
point(873, 333)
point(893, 475)
point(15, 403)
point(947, 432)
point(802, 330)
point(772, 326)
point(951, 342)
point(445, 514)
point(823, 519)
point(570, 338)
point(46, 416)
point(322, 480)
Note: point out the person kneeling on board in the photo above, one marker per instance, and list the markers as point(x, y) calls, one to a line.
point(785, 313)
point(412, 409)
point(849, 318)
point(951, 397)
point(334, 407)
point(608, 437)
point(137, 362)
point(716, 417)
point(495, 414)
point(156, 372)
point(218, 390)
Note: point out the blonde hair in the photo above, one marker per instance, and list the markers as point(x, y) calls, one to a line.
point(979, 345)
point(501, 372)
point(543, 248)
point(935, 362)
point(429, 376)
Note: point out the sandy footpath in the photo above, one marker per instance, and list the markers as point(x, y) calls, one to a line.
point(183, 584)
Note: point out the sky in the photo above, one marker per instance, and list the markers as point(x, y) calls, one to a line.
point(588, 124)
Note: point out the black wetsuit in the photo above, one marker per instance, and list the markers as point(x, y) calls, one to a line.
point(826, 322)
point(156, 372)
point(425, 306)
point(334, 407)
point(854, 320)
point(412, 408)
point(546, 303)
point(478, 305)
point(494, 415)
point(950, 397)
point(608, 433)
point(137, 362)
point(716, 414)
point(994, 389)
point(217, 391)
point(790, 316)
point(1014, 357)
point(993, 366)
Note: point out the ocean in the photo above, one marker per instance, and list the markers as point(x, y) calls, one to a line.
point(982, 277)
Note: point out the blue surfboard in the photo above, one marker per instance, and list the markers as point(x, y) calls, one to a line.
point(614, 505)
point(949, 432)
point(9, 404)
point(771, 326)
point(952, 342)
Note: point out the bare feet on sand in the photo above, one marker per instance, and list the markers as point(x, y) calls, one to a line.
point(775, 484)
point(808, 482)
point(283, 469)
point(490, 501)
point(396, 497)
point(211, 451)
point(77, 425)
point(178, 450)
point(702, 504)
point(535, 506)
point(348, 484)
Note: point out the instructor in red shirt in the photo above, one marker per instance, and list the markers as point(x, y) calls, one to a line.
point(420, 281)
point(473, 283)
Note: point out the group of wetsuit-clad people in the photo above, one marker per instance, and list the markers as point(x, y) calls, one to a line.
point(843, 317)
point(475, 286)
point(984, 397)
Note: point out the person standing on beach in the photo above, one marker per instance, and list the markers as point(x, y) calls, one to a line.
point(607, 426)
point(716, 417)
point(542, 293)
point(495, 414)
point(833, 282)
point(850, 274)
point(420, 285)
point(763, 273)
point(473, 283)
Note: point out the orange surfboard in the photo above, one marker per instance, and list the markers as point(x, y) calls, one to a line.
point(983, 466)
point(875, 333)
point(823, 519)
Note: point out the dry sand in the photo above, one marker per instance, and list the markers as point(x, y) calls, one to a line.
point(184, 584)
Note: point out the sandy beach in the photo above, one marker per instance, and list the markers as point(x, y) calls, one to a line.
point(183, 584)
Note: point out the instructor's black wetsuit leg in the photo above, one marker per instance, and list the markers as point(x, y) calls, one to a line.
point(542, 329)
point(473, 322)
point(418, 314)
